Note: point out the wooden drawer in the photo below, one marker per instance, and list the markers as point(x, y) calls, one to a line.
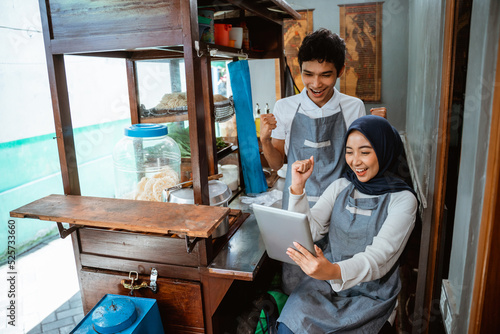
point(141, 247)
point(179, 301)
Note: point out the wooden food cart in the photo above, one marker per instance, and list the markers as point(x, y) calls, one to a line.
point(117, 239)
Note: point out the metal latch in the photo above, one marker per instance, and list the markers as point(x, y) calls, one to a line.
point(152, 280)
point(153, 285)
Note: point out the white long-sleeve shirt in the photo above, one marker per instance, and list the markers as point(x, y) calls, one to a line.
point(379, 257)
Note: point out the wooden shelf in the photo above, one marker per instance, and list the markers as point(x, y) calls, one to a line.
point(221, 154)
point(165, 119)
point(131, 215)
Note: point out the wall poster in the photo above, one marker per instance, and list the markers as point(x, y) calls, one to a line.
point(294, 32)
point(361, 29)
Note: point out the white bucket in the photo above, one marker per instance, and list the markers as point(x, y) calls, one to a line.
point(236, 34)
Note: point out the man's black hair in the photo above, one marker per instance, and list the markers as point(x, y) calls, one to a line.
point(323, 45)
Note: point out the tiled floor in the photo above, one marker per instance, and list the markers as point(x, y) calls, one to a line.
point(47, 291)
point(63, 320)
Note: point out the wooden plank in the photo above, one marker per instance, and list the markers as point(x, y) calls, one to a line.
point(208, 101)
point(138, 247)
point(105, 43)
point(258, 8)
point(141, 267)
point(242, 256)
point(79, 18)
point(287, 8)
point(214, 290)
point(195, 101)
point(429, 279)
point(133, 89)
point(165, 119)
point(138, 216)
point(485, 315)
point(61, 110)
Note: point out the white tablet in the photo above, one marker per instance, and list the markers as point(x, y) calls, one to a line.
point(280, 228)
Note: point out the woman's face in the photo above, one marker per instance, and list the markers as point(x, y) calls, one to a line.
point(360, 156)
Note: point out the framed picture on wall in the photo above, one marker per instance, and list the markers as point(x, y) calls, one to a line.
point(361, 29)
point(294, 32)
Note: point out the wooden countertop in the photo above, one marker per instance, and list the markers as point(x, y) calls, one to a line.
point(137, 216)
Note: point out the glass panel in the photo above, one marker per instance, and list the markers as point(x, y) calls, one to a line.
point(159, 77)
point(162, 99)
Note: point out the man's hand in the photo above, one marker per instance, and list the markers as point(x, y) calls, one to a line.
point(274, 149)
point(267, 125)
point(381, 111)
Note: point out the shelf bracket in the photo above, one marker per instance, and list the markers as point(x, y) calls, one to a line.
point(197, 48)
point(64, 232)
point(216, 52)
point(190, 244)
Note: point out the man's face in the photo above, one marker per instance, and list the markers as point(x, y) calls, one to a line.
point(319, 79)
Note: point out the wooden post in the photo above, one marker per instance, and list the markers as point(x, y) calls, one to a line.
point(196, 107)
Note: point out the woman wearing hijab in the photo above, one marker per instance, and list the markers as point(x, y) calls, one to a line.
point(352, 285)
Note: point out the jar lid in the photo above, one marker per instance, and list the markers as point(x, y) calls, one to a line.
point(114, 315)
point(146, 130)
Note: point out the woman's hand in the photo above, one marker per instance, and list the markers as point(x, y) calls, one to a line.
point(301, 171)
point(318, 266)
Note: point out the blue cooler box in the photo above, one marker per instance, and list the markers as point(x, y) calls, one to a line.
point(122, 314)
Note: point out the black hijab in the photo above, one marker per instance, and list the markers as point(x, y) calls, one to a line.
point(388, 147)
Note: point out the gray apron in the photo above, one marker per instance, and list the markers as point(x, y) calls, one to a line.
point(314, 307)
point(323, 139)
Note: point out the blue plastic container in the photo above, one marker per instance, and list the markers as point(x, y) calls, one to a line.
point(123, 315)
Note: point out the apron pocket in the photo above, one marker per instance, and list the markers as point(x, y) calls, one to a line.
point(309, 143)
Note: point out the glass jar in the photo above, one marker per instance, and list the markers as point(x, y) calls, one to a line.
point(146, 161)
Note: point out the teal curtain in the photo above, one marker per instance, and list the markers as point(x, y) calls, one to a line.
point(253, 175)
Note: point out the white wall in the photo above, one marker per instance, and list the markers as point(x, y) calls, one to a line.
point(97, 85)
point(262, 77)
point(25, 105)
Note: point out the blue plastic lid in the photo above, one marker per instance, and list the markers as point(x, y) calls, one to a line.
point(146, 130)
point(114, 315)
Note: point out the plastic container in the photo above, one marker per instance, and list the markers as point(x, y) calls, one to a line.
point(222, 33)
point(206, 17)
point(122, 314)
point(236, 34)
point(230, 175)
point(205, 26)
point(146, 161)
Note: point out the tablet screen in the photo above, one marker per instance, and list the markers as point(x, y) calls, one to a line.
point(280, 228)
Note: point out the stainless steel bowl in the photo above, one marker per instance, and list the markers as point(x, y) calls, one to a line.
point(219, 194)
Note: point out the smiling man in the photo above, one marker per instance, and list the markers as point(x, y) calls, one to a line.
point(313, 122)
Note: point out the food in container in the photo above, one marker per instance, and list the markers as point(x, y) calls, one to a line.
point(146, 161)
